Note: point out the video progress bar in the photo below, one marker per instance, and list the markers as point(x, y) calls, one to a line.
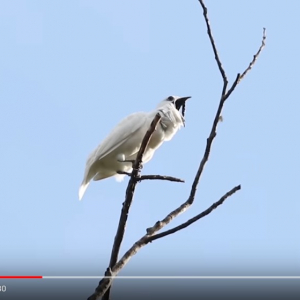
point(151, 277)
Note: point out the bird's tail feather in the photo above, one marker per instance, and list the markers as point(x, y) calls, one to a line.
point(82, 189)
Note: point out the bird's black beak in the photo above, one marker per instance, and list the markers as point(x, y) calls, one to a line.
point(180, 104)
point(181, 101)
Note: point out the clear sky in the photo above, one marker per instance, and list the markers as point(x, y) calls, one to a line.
point(70, 70)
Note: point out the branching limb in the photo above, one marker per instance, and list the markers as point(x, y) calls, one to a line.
point(196, 218)
point(217, 58)
point(127, 203)
point(106, 282)
point(213, 132)
point(224, 96)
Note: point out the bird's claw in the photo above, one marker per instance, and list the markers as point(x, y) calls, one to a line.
point(132, 161)
point(128, 160)
point(127, 173)
point(124, 173)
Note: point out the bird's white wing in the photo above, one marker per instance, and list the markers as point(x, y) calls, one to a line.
point(125, 129)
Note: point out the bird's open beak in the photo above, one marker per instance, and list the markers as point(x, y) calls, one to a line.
point(181, 101)
point(180, 104)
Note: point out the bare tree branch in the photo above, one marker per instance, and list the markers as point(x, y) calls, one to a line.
point(154, 177)
point(128, 200)
point(160, 177)
point(255, 56)
point(196, 218)
point(130, 191)
point(143, 241)
point(212, 41)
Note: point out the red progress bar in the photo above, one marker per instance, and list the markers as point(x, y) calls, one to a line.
point(21, 277)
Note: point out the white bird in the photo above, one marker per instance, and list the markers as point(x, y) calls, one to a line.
point(121, 146)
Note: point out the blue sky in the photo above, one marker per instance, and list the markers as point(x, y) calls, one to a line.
point(70, 70)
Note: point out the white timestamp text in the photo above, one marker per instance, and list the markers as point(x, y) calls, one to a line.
point(2, 288)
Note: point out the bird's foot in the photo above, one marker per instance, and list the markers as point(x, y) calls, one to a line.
point(124, 173)
point(127, 160)
point(132, 161)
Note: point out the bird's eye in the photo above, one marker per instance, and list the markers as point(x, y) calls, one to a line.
point(171, 98)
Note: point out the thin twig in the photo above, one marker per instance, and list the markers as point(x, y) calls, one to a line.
point(160, 177)
point(196, 218)
point(255, 56)
point(153, 177)
point(127, 203)
point(143, 241)
point(213, 44)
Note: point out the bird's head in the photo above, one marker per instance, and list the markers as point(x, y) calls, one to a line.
point(179, 102)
